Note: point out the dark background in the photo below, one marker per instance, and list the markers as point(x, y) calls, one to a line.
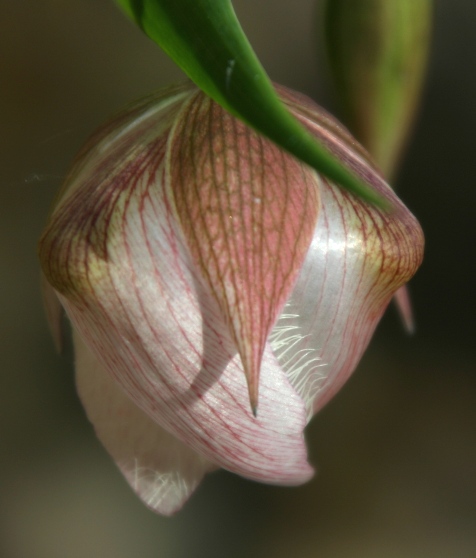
point(395, 450)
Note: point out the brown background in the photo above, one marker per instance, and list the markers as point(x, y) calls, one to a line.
point(396, 450)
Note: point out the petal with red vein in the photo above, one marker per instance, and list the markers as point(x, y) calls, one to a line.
point(138, 300)
point(248, 212)
point(357, 260)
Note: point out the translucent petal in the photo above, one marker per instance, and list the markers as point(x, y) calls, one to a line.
point(163, 471)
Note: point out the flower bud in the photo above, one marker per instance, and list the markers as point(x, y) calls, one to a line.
point(202, 269)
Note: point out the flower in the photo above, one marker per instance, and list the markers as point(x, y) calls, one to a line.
point(207, 274)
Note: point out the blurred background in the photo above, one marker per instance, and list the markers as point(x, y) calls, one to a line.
point(395, 450)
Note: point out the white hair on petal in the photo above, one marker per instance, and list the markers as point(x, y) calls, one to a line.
point(304, 367)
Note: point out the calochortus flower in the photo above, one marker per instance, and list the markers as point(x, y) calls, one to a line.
point(220, 291)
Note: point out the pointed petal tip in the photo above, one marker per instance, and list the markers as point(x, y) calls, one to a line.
point(252, 368)
point(253, 391)
point(404, 307)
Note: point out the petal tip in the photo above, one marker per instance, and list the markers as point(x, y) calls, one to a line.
point(404, 307)
point(252, 374)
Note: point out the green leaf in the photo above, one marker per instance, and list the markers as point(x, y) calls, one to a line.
point(205, 39)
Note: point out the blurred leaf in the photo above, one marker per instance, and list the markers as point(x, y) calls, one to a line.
point(378, 52)
point(205, 39)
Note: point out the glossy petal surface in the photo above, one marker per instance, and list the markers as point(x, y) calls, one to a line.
point(358, 258)
point(345, 285)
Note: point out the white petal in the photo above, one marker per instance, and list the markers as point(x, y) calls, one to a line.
point(161, 470)
point(353, 267)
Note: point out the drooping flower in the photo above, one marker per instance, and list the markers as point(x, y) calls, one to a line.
point(202, 269)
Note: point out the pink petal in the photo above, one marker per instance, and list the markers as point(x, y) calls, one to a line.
point(161, 470)
point(248, 212)
point(119, 259)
